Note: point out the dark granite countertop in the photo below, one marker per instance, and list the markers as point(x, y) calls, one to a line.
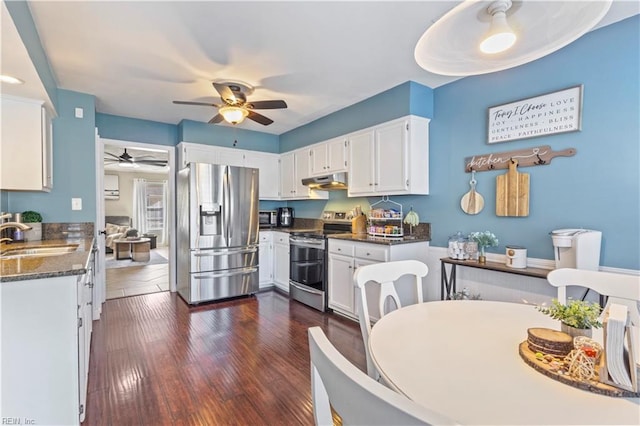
point(364, 238)
point(37, 267)
point(290, 230)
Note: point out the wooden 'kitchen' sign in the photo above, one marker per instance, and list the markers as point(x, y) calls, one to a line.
point(538, 156)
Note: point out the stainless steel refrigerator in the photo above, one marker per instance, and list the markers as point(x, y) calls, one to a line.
point(217, 225)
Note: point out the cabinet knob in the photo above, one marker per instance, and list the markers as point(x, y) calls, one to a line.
point(370, 184)
point(350, 267)
point(368, 254)
point(339, 249)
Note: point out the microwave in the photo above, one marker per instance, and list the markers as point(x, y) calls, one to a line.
point(268, 218)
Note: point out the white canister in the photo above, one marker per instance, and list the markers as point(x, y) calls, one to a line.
point(516, 257)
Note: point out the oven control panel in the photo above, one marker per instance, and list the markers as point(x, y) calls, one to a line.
point(336, 216)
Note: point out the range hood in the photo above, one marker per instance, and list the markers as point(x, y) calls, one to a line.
point(331, 182)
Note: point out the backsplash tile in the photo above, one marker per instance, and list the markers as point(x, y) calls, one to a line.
point(55, 231)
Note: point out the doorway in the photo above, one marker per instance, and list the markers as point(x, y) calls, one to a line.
point(138, 181)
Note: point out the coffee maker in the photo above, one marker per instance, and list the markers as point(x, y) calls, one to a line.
point(285, 217)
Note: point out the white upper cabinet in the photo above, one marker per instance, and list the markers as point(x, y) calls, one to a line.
point(328, 157)
point(267, 163)
point(294, 166)
point(269, 166)
point(26, 162)
point(362, 154)
point(390, 159)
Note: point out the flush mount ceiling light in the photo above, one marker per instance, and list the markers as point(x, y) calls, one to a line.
point(452, 45)
point(10, 80)
point(500, 36)
point(233, 114)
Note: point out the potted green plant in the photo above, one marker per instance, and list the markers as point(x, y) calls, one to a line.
point(577, 317)
point(484, 239)
point(34, 219)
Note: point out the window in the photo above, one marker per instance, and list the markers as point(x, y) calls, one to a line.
point(154, 209)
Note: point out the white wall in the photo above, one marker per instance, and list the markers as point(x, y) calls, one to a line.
point(124, 205)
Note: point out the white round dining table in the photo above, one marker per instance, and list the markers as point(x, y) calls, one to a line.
point(461, 358)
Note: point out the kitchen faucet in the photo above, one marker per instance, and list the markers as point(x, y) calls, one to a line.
point(8, 225)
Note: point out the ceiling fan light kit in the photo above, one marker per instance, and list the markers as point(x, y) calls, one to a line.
point(233, 114)
point(500, 36)
point(235, 107)
point(458, 44)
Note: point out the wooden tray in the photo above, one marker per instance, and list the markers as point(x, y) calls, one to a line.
point(529, 357)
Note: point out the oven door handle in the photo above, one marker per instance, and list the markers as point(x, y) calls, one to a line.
point(307, 289)
point(306, 242)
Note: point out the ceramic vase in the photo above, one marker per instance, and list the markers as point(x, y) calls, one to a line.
point(575, 332)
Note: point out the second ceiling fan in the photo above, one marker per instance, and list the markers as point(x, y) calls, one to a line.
point(235, 107)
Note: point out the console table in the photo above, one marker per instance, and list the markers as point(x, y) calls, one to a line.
point(448, 283)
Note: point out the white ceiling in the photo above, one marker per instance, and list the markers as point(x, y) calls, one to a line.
point(137, 57)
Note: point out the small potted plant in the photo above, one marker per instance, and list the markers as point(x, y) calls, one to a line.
point(484, 239)
point(34, 219)
point(577, 317)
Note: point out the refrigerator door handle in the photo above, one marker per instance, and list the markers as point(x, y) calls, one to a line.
point(224, 252)
point(242, 271)
point(227, 201)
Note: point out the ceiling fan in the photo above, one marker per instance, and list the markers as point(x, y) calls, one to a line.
point(127, 160)
point(235, 107)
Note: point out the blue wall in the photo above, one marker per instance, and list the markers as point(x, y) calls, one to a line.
point(136, 130)
point(74, 173)
point(197, 132)
point(407, 98)
point(598, 188)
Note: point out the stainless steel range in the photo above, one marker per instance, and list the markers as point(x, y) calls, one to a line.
point(308, 263)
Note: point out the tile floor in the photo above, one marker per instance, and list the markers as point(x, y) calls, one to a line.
point(136, 280)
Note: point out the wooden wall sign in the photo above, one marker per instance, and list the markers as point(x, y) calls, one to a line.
point(548, 114)
point(538, 156)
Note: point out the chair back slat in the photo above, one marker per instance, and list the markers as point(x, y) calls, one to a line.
point(386, 275)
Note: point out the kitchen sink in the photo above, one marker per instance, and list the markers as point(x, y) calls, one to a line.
point(38, 251)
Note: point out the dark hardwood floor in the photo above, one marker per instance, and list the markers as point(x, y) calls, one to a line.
point(155, 361)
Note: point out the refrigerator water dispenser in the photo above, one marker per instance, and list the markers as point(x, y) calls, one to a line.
point(210, 219)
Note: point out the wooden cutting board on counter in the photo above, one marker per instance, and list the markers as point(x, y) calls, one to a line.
point(512, 192)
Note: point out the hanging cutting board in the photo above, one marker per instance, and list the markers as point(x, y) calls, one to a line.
point(512, 192)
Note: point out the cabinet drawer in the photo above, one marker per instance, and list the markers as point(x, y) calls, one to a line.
point(266, 237)
point(372, 252)
point(281, 238)
point(341, 247)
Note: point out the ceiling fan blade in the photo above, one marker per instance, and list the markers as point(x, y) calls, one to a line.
point(159, 163)
point(259, 118)
point(115, 157)
point(216, 119)
point(195, 103)
point(226, 94)
point(266, 105)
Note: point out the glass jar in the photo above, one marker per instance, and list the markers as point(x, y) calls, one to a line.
point(457, 246)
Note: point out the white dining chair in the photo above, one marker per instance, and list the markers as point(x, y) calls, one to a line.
point(386, 275)
point(356, 397)
point(623, 289)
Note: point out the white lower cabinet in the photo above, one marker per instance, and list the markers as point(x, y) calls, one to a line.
point(46, 340)
point(265, 259)
point(345, 257)
point(281, 260)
